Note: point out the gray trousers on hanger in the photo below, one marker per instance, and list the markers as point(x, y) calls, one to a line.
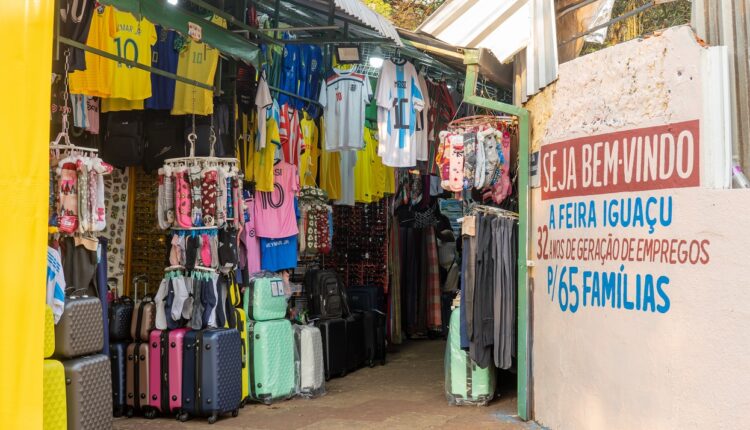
point(481, 350)
point(505, 291)
point(470, 254)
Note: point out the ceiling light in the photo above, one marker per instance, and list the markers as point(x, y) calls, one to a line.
point(376, 58)
point(172, 2)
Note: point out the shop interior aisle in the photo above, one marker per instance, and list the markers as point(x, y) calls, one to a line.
point(406, 393)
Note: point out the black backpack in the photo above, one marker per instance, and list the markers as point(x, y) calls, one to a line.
point(124, 143)
point(325, 293)
point(164, 139)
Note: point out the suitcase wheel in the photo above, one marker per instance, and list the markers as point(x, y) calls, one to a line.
point(129, 413)
point(183, 417)
point(150, 414)
point(371, 363)
point(235, 413)
point(382, 362)
point(242, 403)
point(212, 419)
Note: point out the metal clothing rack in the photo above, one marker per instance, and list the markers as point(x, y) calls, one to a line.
point(296, 96)
point(491, 210)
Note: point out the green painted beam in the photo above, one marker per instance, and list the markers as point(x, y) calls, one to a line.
point(471, 59)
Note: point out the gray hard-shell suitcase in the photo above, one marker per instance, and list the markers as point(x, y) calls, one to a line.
point(80, 330)
point(211, 373)
point(88, 392)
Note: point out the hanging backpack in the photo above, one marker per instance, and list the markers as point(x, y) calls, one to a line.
point(124, 140)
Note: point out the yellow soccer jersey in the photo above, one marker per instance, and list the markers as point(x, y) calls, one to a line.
point(365, 171)
point(111, 105)
point(96, 80)
point(133, 41)
point(263, 162)
point(197, 61)
point(247, 154)
point(330, 169)
point(308, 164)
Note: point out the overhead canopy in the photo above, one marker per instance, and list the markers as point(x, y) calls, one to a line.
point(176, 18)
point(505, 27)
point(354, 21)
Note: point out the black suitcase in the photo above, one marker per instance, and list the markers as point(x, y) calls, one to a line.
point(120, 317)
point(355, 341)
point(118, 359)
point(325, 293)
point(374, 337)
point(211, 373)
point(365, 298)
point(333, 333)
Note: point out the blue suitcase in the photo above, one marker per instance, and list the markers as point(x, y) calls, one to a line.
point(211, 373)
point(118, 359)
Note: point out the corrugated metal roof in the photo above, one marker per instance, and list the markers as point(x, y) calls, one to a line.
point(357, 9)
point(505, 27)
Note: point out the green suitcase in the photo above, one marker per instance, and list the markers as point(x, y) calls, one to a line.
point(264, 299)
point(465, 382)
point(272, 370)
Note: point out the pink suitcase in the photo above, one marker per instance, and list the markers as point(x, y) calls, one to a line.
point(165, 377)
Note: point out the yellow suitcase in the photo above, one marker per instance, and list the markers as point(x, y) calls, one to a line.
point(54, 412)
point(49, 332)
point(239, 322)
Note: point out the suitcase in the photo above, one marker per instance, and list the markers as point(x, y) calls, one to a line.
point(311, 367)
point(239, 322)
point(333, 334)
point(465, 382)
point(54, 414)
point(118, 359)
point(365, 298)
point(325, 294)
point(49, 332)
point(355, 342)
point(88, 392)
point(165, 371)
point(374, 337)
point(272, 371)
point(120, 319)
point(265, 300)
point(137, 378)
point(144, 317)
point(211, 373)
point(79, 330)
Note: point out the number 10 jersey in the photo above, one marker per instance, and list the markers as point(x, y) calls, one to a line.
point(399, 98)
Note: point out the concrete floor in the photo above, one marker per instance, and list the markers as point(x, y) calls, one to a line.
point(406, 393)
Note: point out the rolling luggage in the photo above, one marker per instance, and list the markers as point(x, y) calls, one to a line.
point(144, 318)
point(325, 293)
point(311, 367)
point(272, 371)
point(54, 414)
point(374, 337)
point(120, 318)
point(88, 392)
point(465, 382)
point(165, 371)
point(333, 334)
point(355, 342)
point(265, 300)
point(49, 332)
point(118, 359)
point(365, 298)
point(211, 374)
point(137, 378)
point(240, 324)
point(79, 330)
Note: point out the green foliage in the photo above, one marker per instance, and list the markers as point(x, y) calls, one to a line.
point(408, 14)
point(653, 19)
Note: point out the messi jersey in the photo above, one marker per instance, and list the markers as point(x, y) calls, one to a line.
point(400, 98)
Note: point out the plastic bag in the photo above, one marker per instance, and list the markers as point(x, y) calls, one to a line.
point(309, 361)
point(465, 382)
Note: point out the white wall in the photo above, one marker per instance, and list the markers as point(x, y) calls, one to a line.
point(605, 367)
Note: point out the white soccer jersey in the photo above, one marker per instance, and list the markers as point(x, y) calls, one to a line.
point(400, 98)
point(344, 96)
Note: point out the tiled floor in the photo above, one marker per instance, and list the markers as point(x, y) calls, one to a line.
point(406, 393)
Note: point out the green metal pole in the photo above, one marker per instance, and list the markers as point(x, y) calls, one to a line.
point(471, 59)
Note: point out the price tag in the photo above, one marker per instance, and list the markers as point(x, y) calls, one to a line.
point(277, 288)
point(195, 31)
point(468, 227)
